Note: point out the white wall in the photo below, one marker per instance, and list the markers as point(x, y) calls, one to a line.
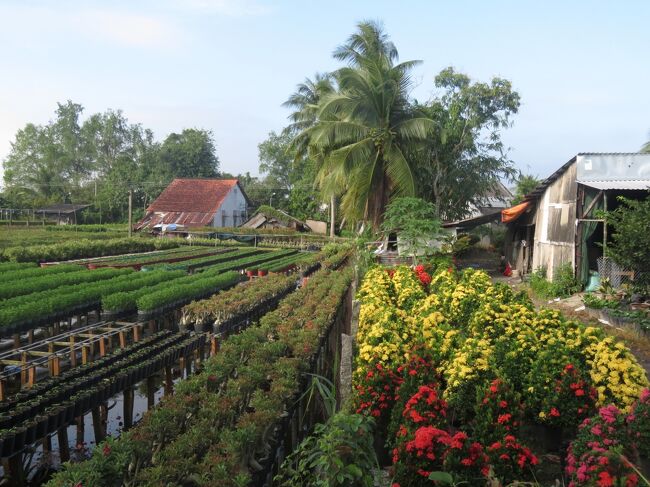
point(233, 202)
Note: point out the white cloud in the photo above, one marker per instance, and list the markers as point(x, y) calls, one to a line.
point(126, 29)
point(230, 8)
point(109, 25)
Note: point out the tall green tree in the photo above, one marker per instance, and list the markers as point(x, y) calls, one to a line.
point(464, 161)
point(364, 129)
point(290, 176)
point(191, 153)
point(525, 183)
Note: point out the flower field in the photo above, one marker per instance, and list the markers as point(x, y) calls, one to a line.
point(464, 376)
point(223, 426)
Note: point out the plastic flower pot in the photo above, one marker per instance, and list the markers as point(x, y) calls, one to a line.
point(251, 272)
point(19, 438)
point(41, 426)
point(262, 273)
point(7, 447)
point(30, 433)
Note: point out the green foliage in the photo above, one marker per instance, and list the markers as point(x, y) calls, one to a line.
point(339, 453)
point(525, 184)
point(97, 160)
point(218, 425)
point(593, 301)
point(192, 287)
point(85, 248)
point(414, 220)
point(564, 283)
point(360, 129)
point(630, 248)
point(465, 160)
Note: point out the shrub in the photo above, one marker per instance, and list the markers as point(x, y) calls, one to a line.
point(338, 453)
point(631, 246)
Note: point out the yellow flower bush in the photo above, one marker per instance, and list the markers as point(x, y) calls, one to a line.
point(474, 330)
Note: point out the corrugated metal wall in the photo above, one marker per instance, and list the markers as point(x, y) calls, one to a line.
point(555, 224)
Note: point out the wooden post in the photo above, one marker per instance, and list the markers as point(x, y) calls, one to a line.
point(97, 425)
point(214, 345)
point(128, 408)
point(3, 392)
point(30, 336)
point(130, 211)
point(102, 346)
point(151, 391)
point(64, 447)
point(73, 353)
point(56, 365)
point(136, 333)
point(81, 426)
point(152, 326)
point(16, 340)
point(605, 225)
point(16, 471)
point(23, 368)
point(181, 365)
point(84, 354)
point(122, 339)
point(169, 381)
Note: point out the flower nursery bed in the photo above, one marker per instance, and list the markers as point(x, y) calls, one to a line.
point(222, 426)
point(231, 310)
point(11, 275)
point(78, 249)
point(75, 393)
point(468, 383)
point(169, 257)
point(199, 262)
point(30, 311)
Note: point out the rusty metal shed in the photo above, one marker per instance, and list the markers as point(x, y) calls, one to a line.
point(561, 223)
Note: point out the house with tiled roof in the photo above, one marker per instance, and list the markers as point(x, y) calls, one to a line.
point(198, 203)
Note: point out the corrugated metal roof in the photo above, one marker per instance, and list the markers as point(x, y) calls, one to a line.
point(630, 184)
point(474, 221)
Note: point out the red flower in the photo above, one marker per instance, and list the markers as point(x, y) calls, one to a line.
point(554, 412)
point(605, 479)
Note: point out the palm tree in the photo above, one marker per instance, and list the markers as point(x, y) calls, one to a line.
point(364, 127)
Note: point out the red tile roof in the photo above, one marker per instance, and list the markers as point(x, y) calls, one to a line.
point(188, 202)
point(193, 195)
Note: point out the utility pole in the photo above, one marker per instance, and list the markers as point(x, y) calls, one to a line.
point(130, 211)
point(332, 215)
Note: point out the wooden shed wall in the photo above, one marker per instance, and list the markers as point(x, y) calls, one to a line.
point(555, 224)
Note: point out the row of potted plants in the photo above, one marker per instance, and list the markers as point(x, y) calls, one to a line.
point(205, 261)
point(237, 304)
point(16, 266)
point(78, 249)
point(99, 388)
point(124, 302)
point(252, 261)
point(464, 376)
point(50, 282)
point(39, 394)
point(177, 294)
point(33, 310)
point(166, 257)
point(220, 426)
point(18, 274)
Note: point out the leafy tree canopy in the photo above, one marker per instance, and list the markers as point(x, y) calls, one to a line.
point(525, 184)
point(414, 221)
point(630, 247)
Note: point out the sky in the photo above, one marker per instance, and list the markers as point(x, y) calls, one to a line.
point(581, 67)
